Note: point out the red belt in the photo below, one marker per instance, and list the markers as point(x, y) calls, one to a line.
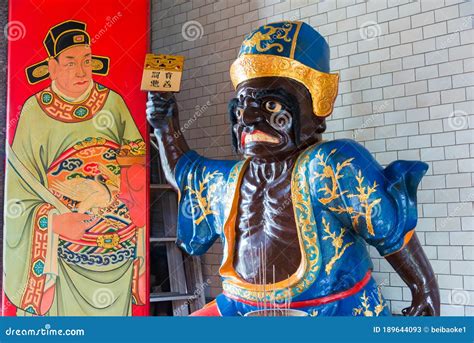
point(312, 302)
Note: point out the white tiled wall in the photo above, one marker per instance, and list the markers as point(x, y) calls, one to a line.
point(406, 92)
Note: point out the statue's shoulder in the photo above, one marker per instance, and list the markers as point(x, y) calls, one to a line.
point(337, 151)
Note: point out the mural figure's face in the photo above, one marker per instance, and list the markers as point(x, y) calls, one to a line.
point(273, 116)
point(72, 70)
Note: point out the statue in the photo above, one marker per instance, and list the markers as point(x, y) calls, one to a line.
point(75, 244)
point(296, 213)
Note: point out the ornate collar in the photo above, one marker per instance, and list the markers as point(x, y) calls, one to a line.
point(71, 112)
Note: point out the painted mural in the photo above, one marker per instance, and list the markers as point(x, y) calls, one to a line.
point(76, 177)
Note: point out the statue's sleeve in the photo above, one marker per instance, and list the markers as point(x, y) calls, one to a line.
point(29, 255)
point(202, 184)
point(378, 203)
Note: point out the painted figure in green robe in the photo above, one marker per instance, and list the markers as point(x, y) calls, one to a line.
point(74, 218)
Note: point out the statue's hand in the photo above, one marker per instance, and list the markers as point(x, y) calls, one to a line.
point(160, 108)
point(425, 303)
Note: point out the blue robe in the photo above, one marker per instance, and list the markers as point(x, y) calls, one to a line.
point(342, 200)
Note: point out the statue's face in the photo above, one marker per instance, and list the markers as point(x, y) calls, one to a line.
point(72, 70)
point(266, 114)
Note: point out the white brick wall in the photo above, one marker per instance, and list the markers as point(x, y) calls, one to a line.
point(406, 93)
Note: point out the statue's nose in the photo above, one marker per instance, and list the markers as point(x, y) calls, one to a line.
point(252, 113)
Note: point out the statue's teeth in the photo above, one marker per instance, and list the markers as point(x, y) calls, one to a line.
point(260, 137)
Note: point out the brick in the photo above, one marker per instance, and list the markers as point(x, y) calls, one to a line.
point(468, 253)
point(449, 223)
point(434, 30)
point(422, 19)
point(356, 10)
point(446, 13)
point(459, 24)
point(460, 52)
point(450, 281)
point(431, 126)
point(440, 266)
point(466, 37)
point(458, 180)
point(409, 9)
point(462, 267)
point(463, 80)
point(444, 167)
point(389, 40)
point(401, 50)
point(432, 154)
point(450, 253)
point(465, 136)
point(466, 165)
point(434, 182)
point(388, 14)
point(453, 95)
point(347, 49)
point(436, 57)
point(379, 55)
point(440, 83)
point(451, 310)
point(424, 46)
point(411, 35)
point(417, 114)
point(426, 72)
point(398, 143)
point(369, 69)
point(406, 102)
point(393, 91)
point(460, 209)
point(419, 141)
point(407, 129)
point(358, 59)
point(413, 88)
point(372, 94)
point(450, 68)
point(395, 117)
point(443, 139)
point(428, 99)
point(401, 24)
point(413, 61)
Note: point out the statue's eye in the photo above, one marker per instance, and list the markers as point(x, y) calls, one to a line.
point(238, 112)
point(273, 106)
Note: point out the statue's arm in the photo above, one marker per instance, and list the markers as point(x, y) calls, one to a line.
point(162, 114)
point(390, 224)
point(414, 268)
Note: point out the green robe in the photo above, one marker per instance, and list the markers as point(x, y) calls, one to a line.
point(32, 262)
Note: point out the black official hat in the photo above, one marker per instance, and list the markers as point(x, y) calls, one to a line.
point(59, 38)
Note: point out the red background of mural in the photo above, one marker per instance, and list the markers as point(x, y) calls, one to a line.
point(118, 29)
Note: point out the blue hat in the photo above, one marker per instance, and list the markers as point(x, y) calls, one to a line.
point(290, 49)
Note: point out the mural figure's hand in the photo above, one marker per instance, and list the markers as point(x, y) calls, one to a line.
point(132, 192)
point(72, 225)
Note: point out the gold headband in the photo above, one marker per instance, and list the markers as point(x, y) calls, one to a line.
point(321, 86)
